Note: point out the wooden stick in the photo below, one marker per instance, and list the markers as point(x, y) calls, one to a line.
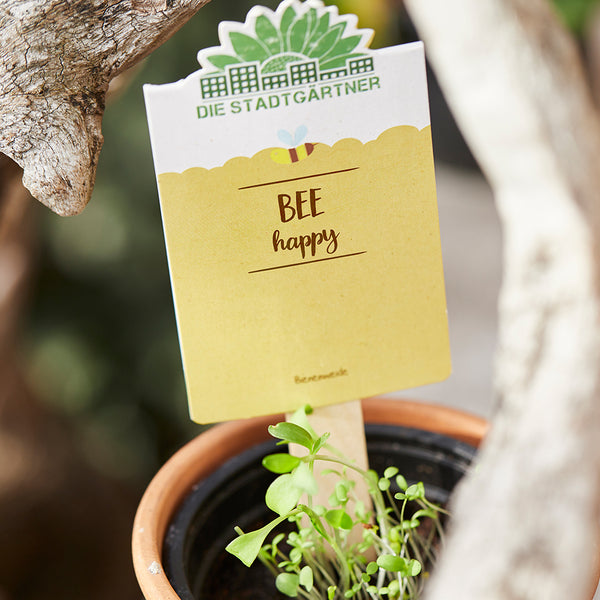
point(344, 423)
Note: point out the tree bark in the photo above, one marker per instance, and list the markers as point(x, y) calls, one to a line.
point(526, 520)
point(58, 57)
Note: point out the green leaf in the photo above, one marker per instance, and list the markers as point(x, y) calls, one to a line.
point(384, 484)
point(390, 472)
point(425, 512)
point(292, 434)
point(416, 491)
point(222, 60)
point(286, 20)
point(280, 463)
point(327, 41)
point(293, 536)
point(411, 524)
point(276, 540)
point(314, 519)
point(268, 34)
point(300, 416)
point(372, 568)
point(282, 495)
point(247, 546)
point(287, 583)
point(306, 578)
point(389, 562)
point(414, 568)
point(320, 443)
point(304, 480)
point(248, 48)
point(331, 590)
point(295, 556)
point(297, 34)
point(341, 490)
point(331, 472)
point(360, 510)
point(394, 588)
point(401, 482)
point(339, 519)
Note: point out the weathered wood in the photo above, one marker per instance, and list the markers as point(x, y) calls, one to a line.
point(58, 57)
point(526, 520)
point(345, 424)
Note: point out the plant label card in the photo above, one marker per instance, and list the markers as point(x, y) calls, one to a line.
point(297, 191)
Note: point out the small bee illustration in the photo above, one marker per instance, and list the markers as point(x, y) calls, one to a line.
point(298, 150)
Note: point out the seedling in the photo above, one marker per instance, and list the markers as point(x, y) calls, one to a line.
point(318, 558)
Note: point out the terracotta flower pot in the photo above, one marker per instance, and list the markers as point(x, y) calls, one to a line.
point(203, 459)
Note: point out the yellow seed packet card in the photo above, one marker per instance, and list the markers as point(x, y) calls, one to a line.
point(297, 191)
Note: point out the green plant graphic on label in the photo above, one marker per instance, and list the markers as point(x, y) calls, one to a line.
point(300, 43)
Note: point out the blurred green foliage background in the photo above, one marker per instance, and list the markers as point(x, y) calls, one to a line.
point(576, 13)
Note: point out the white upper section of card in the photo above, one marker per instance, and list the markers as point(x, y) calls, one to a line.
point(189, 130)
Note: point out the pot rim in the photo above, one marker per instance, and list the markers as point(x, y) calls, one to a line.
point(205, 453)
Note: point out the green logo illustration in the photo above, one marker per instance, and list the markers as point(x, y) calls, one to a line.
point(298, 44)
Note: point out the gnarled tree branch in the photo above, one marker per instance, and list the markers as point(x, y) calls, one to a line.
point(515, 83)
point(58, 57)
